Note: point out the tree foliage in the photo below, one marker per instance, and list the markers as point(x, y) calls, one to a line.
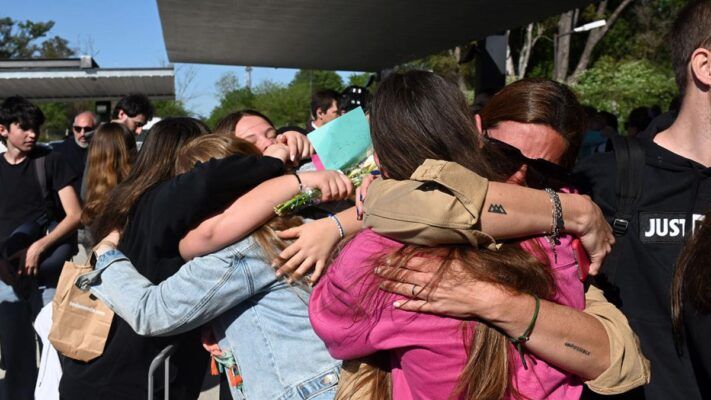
point(231, 101)
point(283, 104)
point(171, 108)
point(448, 64)
point(359, 79)
point(57, 120)
point(626, 67)
point(317, 80)
point(20, 39)
point(621, 86)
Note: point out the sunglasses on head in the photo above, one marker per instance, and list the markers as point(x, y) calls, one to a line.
point(85, 129)
point(540, 173)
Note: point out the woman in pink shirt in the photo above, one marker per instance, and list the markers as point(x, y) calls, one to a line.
point(416, 116)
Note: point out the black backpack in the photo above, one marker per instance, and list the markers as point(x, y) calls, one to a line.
point(629, 158)
point(630, 161)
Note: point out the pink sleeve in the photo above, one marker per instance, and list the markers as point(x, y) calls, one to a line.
point(335, 300)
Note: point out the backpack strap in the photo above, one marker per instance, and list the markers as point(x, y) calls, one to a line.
point(629, 157)
point(41, 174)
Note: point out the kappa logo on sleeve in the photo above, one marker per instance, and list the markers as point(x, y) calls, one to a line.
point(667, 227)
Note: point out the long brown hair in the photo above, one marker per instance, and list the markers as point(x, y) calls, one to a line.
point(112, 153)
point(540, 101)
point(155, 164)
point(418, 115)
point(692, 277)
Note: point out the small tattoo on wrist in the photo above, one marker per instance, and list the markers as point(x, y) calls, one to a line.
point(497, 209)
point(577, 348)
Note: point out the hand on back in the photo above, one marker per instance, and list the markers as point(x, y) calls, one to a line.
point(455, 293)
point(311, 249)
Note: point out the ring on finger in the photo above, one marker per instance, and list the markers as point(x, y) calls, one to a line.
point(414, 289)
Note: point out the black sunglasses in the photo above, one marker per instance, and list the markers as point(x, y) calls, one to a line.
point(78, 129)
point(540, 173)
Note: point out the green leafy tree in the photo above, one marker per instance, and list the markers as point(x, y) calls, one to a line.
point(20, 39)
point(237, 99)
point(284, 105)
point(171, 108)
point(621, 86)
point(448, 64)
point(57, 120)
point(317, 80)
point(359, 79)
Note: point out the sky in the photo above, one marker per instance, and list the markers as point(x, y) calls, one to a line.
point(127, 34)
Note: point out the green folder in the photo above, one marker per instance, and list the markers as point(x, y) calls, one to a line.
point(343, 142)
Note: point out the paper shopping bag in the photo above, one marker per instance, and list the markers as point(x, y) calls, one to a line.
point(81, 322)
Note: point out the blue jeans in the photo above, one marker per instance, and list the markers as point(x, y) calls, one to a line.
point(17, 340)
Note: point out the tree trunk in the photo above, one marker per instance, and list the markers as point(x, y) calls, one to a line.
point(562, 46)
point(527, 48)
point(594, 38)
point(461, 82)
point(510, 68)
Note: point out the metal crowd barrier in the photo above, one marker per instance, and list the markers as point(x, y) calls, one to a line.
point(162, 357)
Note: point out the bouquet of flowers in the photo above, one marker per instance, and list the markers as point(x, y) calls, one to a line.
point(312, 196)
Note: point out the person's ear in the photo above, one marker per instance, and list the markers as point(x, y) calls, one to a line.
point(701, 66)
point(320, 113)
point(477, 121)
point(3, 131)
point(122, 115)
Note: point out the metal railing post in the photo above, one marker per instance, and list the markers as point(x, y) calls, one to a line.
point(162, 357)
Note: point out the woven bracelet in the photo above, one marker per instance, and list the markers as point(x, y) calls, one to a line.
point(521, 340)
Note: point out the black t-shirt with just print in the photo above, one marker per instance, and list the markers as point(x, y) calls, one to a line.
point(637, 275)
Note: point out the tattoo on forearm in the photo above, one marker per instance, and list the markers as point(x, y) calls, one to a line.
point(577, 348)
point(497, 209)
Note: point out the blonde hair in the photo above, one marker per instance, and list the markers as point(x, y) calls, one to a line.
point(216, 146)
point(211, 146)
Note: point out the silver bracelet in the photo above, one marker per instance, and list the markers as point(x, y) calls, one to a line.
point(341, 233)
point(557, 223)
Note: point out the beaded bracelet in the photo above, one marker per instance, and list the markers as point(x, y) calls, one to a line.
point(518, 342)
point(341, 233)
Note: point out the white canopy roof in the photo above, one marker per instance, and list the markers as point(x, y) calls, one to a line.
point(77, 79)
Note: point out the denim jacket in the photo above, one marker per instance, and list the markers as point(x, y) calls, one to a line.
point(262, 320)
